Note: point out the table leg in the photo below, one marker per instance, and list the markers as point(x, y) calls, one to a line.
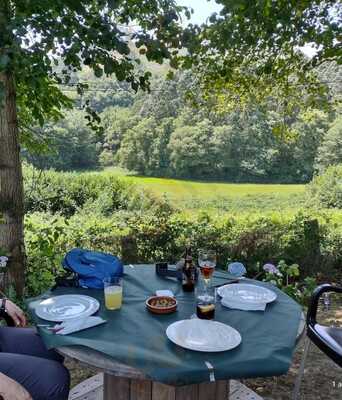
point(213, 391)
point(115, 388)
point(141, 390)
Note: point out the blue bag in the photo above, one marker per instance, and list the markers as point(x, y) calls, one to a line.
point(91, 267)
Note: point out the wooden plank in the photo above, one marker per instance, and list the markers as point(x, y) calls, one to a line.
point(189, 392)
point(115, 388)
point(141, 390)
point(163, 392)
point(88, 388)
point(222, 390)
point(207, 391)
point(238, 392)
point(241, 392)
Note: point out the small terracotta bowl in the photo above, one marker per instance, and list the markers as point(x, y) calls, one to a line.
point(161, 304)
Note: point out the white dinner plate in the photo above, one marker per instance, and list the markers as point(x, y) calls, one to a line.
point(203, 335)
point(247, 293)
point(68, 306)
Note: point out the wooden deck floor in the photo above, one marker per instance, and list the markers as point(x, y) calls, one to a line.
point(92, 389)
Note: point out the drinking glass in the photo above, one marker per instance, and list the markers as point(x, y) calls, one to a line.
point(205, 302)
point(113, 292)
point(207, 263)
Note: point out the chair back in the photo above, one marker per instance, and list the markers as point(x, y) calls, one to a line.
point(326, 338)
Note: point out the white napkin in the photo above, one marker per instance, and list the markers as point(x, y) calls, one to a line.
point(165, 293)
point(78, 324)
point(239, 304)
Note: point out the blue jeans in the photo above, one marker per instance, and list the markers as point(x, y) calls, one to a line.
point(25, 359)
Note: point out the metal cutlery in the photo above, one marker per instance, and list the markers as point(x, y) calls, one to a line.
point(51, 328)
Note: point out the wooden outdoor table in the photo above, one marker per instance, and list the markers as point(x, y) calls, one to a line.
point(125, 383)
point(122, 382)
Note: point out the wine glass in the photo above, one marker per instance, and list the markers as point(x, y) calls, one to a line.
point(207, 264)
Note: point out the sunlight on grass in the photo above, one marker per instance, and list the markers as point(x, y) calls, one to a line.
point(189, 194)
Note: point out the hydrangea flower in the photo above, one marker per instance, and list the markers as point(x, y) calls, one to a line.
point(3, 261)
point(237, 269)
point(271, 269)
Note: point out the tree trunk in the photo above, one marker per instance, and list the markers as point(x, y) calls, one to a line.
point(11, 189)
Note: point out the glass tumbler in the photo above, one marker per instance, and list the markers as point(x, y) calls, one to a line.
point(113, 292)
point(205, 302)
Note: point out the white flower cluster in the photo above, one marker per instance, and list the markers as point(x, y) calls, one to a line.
point(3, 261)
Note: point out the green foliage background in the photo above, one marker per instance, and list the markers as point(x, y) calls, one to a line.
point(98, 211)
point(163, 134)
point(276, 133)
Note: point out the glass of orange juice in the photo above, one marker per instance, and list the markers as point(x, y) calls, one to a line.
point(113, 292)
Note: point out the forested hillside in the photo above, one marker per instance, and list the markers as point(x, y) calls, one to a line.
point(163, 133)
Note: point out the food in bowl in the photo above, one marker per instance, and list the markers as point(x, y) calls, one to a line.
point(161, 304)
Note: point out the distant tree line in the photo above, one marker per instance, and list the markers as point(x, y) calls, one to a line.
point(162, 134)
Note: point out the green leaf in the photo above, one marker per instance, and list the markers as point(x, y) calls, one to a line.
point(98, 71)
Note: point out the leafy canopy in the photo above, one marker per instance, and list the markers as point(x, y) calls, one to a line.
point(37, 36)
point(252, 50)
point(330, 151)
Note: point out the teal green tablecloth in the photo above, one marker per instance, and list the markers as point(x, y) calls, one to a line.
point(135, 337)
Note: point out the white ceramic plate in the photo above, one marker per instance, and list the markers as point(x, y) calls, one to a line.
point(247, 293)
point(203, 335)
point(65, 307)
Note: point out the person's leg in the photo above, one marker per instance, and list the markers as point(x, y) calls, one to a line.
point(44, 379)
point(25, 341)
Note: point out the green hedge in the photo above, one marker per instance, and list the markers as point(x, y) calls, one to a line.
point(312, 240)
point(66, 193)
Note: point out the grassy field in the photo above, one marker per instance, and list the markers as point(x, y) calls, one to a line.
point(187, 194)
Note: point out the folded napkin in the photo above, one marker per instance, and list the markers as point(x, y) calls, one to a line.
point(165, 293)
point(239, 304)
point(76, 325)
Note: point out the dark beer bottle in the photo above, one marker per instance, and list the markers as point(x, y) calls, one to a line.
point(188, 272)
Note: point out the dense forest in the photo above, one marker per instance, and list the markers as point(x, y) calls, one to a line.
point(173, 131)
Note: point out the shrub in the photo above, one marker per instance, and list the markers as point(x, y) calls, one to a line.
point(326, 190)
point(287, 278)
point(44, 254)
point(67, 193)
point(161, 235)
